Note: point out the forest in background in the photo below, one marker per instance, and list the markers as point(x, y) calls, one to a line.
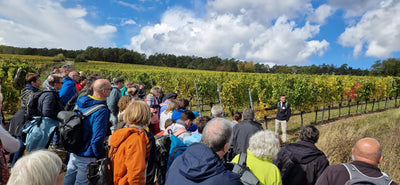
point(388, 67)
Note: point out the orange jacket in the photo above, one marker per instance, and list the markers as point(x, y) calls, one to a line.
point(129, 157)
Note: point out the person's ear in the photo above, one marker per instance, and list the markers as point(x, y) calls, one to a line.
point(380, 159)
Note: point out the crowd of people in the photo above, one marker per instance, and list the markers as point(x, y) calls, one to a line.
point(136, 131)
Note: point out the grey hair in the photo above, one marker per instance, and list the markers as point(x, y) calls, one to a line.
point(51, 79)
point(248, 114)
point(40, 167)
point(216, 134)
point(264, 144)
point(216, 111)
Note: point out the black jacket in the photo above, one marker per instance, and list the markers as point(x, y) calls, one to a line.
point(338, 174)
point(300, 163)
point(241, 135)
point(50, 103)
point(283, 112)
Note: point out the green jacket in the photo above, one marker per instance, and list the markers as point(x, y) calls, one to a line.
point(266, 172)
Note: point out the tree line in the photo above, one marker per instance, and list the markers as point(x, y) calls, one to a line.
point(388, 67)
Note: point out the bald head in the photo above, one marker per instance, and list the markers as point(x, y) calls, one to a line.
point(101, 88)
point(367, 150)
point(217, 135)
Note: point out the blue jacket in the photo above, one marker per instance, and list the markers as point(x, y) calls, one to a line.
point(112, 103)
point(200, 165)
point(95, 127)
point(67, 90)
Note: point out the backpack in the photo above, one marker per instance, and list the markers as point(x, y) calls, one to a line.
point(176, 149)
point(163, 145)
point(246, 176)
point(31, 109)
point(71, 127)
point(358, 178)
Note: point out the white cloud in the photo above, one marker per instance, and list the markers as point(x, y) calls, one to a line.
point(127, 22)
point(378, 32)
point(321, 13)
point(228, 35)
point(45, 23)
point(355, 8)
point(262, 11)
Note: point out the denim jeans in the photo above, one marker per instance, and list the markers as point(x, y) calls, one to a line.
point(77, 170)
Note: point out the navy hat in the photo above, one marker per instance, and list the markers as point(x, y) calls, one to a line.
point(171, 95)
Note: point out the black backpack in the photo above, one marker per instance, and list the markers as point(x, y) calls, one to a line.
point(31, 108)
point(71, 128)
point(246, 176)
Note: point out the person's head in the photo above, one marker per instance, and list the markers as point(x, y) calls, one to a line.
point(56, 70)
point(55, 81)
point(248, 114)
point(39, 167)
point(183, 103)
point(171, 96)
point(155, 91)
point(282, 98)
point(33, 79)
point(91, 79)
point(216, 111)
point(172, 105)
point(169, 122)
point(119, 82)
point(217, 135)
point(202, 122)
point(82, 80)
point(367, 150)
point(124, 102)
point(81, 73)
point(75, 76)
point(187, 116)
point(264, 144)
point(128, 84)
point(237, 116)
point(101, 89)
point(309, 133)
point(65, 69)
point(141, 85)
point(137, 113)
point(131, 91)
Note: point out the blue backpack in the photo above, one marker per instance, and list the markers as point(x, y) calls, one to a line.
point(177, 148)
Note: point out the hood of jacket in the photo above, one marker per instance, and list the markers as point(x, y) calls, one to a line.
point(302, 152)
point(121, 135)
point(199, 162)
point(85, 102)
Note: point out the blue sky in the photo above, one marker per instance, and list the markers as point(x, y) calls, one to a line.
point(292, 32)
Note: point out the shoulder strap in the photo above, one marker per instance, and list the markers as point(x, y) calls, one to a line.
point(93, 109)
point(242, 159)
point(356, 175)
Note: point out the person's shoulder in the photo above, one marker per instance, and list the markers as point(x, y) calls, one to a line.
point(336, 169)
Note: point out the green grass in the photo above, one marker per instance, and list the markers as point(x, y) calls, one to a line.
point(337, 138)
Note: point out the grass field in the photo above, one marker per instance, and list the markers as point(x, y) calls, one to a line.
point(337, 138)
